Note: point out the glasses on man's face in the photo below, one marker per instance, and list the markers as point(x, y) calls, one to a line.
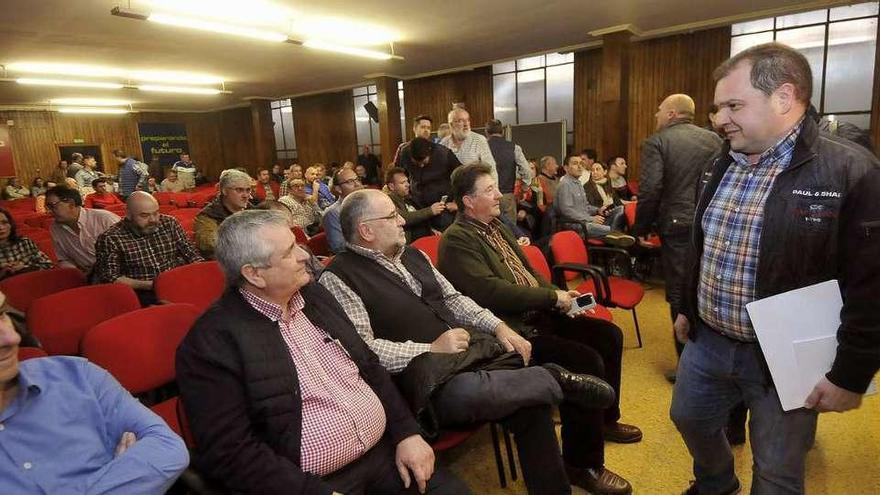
point(391, 216)
point(350, 181)
point(52, 206)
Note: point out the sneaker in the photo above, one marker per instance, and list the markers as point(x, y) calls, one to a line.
point(619, 239)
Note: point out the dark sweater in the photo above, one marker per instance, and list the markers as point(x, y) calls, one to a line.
point(240, 389)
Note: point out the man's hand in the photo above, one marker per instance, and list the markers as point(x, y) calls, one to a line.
point(15, 266)
point(414, 454)
point(438, 208)
point(828, 397)
point(563, 300)
point(452, 341)
point(451, 207)
point(603, 210)
point(513, 341)
point(682, 327)
point(128, 439)
point(598, 219)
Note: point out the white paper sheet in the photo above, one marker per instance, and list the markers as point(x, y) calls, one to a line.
point(797, 331)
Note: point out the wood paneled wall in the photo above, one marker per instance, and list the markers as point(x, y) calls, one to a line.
point(435, 95)
point(217, 140)
point(658, 67)
point(324, 126)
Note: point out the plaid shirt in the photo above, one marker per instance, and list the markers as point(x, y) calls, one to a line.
point(732, 226)
point(492, 233)
point(122, 252)
point(395, 356)
point(25, 252)
point(341, 415)
point(304, 214)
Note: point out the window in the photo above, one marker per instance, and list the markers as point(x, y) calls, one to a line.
point(367, 130)
point(402, 113)
point(839, 43)
point(535, 89)
point(285, 138)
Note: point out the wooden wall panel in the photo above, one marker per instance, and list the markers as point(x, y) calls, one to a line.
point(587, 102)
point(324, 126)
point(217, 140)
point(435, 95)
point(664, 66)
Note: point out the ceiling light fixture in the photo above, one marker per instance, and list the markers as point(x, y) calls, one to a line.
point(109, 111)
point(178, 89)
point(65, 69)
point(70, 83)
point(89, 102)
point(349, 50)
point(217, 27)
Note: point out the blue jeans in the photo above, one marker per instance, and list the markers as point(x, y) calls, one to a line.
point(714, 374)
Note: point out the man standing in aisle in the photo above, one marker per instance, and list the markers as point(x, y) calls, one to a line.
point(511, 164)
point(468, 146)
point(784, 207)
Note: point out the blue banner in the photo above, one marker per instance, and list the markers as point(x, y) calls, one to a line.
point(163, 141)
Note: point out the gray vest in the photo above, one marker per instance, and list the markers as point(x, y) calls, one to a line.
point(505, 162)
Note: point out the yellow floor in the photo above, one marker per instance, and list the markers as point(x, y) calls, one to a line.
point(845, 460)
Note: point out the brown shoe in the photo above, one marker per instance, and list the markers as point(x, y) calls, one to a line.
point(600, 481)
point(622, 433)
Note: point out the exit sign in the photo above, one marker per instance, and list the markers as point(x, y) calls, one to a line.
point(78, 141)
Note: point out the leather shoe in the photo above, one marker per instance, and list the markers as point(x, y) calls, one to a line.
point(622, 433)
point(598, 481)
point(730, 491)
point(586, 391)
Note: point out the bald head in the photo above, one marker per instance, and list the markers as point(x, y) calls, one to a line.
point(677, 106)
point(143, 212)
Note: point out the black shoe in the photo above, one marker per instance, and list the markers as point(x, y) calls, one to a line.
point(693, 490)
point(586, 391)
point(735, 436)
point(598, 481)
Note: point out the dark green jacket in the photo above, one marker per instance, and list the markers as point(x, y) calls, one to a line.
point(470, 263)
point(417, 223)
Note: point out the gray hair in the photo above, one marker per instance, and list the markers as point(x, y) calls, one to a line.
point(239, 242)
point(355, 207)
point(773, 64)
point(232, 176)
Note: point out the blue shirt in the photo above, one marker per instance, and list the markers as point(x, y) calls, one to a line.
point(129, 176)
point(333, 228)
point(59, 434)
point(325, 197)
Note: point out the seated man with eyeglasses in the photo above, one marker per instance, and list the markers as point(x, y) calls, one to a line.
point(75, 229)
point(345, 182)
point(234, 194)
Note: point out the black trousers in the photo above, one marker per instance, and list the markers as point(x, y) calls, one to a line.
point(674, 256)
point(581, 345)
point(375, 473)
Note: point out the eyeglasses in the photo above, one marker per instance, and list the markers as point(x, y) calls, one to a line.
point(349, 181)
point(52, 206)
point(392, 216)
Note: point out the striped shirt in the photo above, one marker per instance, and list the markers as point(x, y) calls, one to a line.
point(732, 226)
point(474, 148)
point(341, 415)
point(395, 356)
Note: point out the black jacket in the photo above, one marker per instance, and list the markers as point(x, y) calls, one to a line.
point(671, 163)
point(241, 393)
point(821, 222)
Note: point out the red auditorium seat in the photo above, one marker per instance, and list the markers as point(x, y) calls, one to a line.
point(300, 234)
point(570, 255)
point(317, 244)
point(44, 244)
point(60, 320)
point(138, 349)
point(430, 245)
point(539, 264)
point(25, 353)
point(22, 290)
point(199, 284)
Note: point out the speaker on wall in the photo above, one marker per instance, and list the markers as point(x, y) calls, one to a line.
point(372, 110)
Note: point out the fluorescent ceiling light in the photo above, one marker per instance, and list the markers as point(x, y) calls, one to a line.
point(348, 50)
point(114, 111)
point(217, 27)
point(93, 102)
point(174, 77)
point(178, 89)
point(65, 69)
point(251, 12)
point(342, 31)
point(70, 83)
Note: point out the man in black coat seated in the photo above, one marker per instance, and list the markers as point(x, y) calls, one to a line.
point(281, 393)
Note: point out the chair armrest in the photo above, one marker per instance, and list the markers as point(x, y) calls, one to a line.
point(600, 281)
point(616, 252)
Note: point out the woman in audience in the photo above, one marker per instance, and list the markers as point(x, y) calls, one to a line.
point(18, 254)
point(617, 176)
point(530, 201)
point(14, 190)
point(602, 196)
point(38, 187)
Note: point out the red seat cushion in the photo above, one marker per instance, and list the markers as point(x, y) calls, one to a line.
point(167, 410)
point(624, 293)
point(21, 290)
point(430, 245)
point(599, 312)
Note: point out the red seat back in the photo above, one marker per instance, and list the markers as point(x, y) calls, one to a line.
point(25, 353)
point(537, 261)
point(163, 198)
point(568, 247)
point(430, 245)
point(138, 347)
point(22, 290)
point(44, 244)
point(318, 245)
point(633, 187)
point(199, 284)
point(61, 320)
point(629, 210)
point(301, 236)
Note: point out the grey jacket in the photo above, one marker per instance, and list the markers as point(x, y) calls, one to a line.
point(672, 162)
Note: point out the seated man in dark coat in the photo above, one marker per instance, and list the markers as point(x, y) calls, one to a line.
point(409, 315)
point(281, 393)
point(417, 220)
point(481, 257)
